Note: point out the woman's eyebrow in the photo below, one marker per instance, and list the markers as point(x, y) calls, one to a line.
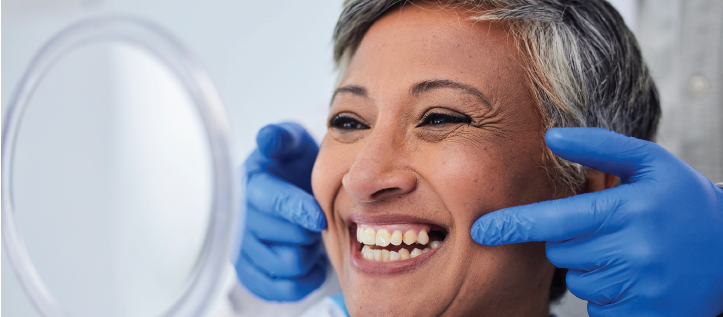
point(428, 85)
point(350, 89)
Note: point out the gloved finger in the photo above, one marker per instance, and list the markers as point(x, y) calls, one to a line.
point(587, 253)
point(286, 151)
point(280, 289)
point(280, 260)
point(270, 194)
point(659, 308)
point(606, 290)
point(626, 157)
point(600, 287)
point(268, 228)
point(553, 220)
point(284, 141)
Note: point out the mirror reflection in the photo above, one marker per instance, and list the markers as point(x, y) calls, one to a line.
point(112, 182)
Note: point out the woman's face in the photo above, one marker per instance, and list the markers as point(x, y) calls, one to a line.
point(431, 127)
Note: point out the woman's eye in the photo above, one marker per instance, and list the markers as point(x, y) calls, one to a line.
point(443, 118)
point(347, 123)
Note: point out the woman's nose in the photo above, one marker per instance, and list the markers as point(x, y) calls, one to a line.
point(379, 172)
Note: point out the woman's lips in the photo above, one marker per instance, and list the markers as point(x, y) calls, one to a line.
point(383, 245)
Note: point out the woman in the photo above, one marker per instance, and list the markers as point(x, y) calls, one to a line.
point(439, 118)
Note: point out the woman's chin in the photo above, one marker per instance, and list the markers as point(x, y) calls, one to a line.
point(398, 295)
point(406, 287)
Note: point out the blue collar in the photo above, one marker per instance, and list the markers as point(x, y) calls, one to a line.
point(339, 301)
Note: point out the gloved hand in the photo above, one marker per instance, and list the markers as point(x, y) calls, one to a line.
point(282, 256)
point(652, 246)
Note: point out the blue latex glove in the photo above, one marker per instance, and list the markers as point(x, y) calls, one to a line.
point(282, 255)
point(652, 246)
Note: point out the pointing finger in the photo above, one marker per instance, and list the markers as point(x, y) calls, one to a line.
point(554, 220)
point(605, 150)
point(268, 193)
point(284, 141)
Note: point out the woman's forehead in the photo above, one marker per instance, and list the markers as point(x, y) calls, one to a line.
point(426, 42)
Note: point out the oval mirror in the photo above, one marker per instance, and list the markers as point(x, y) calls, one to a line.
point(117, 184)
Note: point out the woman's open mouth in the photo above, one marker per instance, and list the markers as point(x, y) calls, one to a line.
point(392, 247)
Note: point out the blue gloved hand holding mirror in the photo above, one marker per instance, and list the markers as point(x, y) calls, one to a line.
point(282, 254)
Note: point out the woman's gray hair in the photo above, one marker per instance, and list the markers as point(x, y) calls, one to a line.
point(584, 66)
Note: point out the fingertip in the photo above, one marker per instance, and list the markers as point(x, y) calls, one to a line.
point(322, 223)
point(273, 139)
point(564, 139)
point(316, 220)
point(574, 139)
point(554, 135)
point(480, 231)
point(284, 140)
point(561, 140)
point(603, 150)
point(319, 224)
point(475, 231)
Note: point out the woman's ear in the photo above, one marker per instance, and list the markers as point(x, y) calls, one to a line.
point(597, 180)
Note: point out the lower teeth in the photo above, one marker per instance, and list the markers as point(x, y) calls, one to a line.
point(383, 255)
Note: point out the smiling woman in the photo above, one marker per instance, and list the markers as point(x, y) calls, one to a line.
point(438, 119)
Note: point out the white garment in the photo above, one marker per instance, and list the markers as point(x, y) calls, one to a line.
point(239, 302)
point(324, 308)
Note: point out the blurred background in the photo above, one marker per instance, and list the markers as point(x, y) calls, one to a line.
point(272, 62)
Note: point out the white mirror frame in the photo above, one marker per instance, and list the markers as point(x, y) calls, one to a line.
point(219, 240)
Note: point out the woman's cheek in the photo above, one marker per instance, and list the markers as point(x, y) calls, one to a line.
point(464, 172)
point(326, 176)
point(332, 243)
point(321, 181)
point(479, 174)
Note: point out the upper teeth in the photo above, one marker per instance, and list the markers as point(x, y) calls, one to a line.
point(369, 237)
point(383, 238)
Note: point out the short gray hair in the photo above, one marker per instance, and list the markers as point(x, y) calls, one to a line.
point(584, 66)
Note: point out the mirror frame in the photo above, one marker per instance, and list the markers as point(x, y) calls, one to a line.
point(221, 238)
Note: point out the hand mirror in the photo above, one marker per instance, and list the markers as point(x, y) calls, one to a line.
point(118, 192)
